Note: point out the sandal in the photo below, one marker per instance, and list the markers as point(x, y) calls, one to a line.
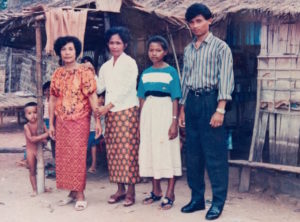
point(129, 201)
point(80, 205)
point(116, 198)
point(66, 201)
point(151, 199)
point(166, 203)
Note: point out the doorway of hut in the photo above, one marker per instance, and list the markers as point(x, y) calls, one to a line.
point(243, 37)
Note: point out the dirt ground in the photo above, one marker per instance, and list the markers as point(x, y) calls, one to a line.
point(16, 205)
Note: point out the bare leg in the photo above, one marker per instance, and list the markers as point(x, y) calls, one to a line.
point(170, 190)
point(121, 189)
point(131, 190)
point(31, 159)
point(73, 194)
point(130, 195)
point(156, 190)
point(119, 195)
point(167, 202)
point(156, 187)
point(80, 195)
point(94, 158)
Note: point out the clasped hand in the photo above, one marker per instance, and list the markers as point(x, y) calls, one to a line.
point(101, 111)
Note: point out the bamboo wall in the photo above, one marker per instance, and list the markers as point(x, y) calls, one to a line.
point(277, 130)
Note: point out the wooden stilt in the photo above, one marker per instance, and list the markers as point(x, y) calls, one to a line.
point(173, 50)
point(245, 179)
point(40, 159)
point(106, 27)
point(246, 171)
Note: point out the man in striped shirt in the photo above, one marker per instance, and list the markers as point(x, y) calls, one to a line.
point(207, 85)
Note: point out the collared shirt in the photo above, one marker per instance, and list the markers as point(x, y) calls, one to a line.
point(208, 67)
point(72, 89)
point(119, 82)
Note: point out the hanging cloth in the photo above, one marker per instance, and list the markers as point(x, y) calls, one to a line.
point(109, 5)
point(61, 22)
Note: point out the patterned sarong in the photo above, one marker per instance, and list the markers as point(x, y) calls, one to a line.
point(71, 149)
point(122, 144)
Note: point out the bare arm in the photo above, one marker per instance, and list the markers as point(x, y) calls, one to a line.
point(94, 104)
point(34, 139)
point(181, 118)
point(142, 101)
point(173, 131)
point(52, 103)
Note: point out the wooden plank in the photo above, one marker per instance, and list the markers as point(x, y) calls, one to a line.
point(281, 140)
point(283, 38)
point(263, 39)
point(292, 148)
point(260, 141)
point(256, 120)
point(267, 166)
point(272, 138)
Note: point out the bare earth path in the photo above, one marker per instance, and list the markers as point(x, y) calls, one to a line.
point(16, 205)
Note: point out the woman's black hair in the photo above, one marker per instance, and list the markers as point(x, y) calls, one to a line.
point(87, 59)
point(62, 41)
point(158, 39)
point(122, 31)
point(197, 9)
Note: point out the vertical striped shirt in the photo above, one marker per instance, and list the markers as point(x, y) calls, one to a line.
point(208, 67)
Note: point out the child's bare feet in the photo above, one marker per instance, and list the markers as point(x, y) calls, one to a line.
point(34, 194)
point(92, 170)
point(48, 190)
point(22, 163)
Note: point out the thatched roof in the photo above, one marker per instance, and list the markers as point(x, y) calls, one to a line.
point(17, 22)
point(174, 10)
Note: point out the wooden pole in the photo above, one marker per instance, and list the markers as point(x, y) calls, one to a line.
point(10, 67)
point(40, 159)
point(245, 175)
point(256, 120)
point(106, 27)
point(173, 50)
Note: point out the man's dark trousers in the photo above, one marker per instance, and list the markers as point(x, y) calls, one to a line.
point(206, 147)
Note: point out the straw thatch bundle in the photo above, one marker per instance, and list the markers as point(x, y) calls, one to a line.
point(174, 10)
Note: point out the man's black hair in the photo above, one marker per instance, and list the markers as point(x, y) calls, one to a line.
point(197, 9)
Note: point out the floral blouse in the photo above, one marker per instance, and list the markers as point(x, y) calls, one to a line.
point(72, 89)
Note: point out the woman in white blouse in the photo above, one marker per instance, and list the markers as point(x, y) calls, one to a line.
point(118, 77)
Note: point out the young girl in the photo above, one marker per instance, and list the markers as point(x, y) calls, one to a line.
point(32, 139)
point(159, 153)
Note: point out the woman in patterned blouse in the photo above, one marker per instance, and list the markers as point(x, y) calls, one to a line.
point(72, 98)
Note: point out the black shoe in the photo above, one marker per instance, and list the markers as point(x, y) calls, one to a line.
point(214, 212)
point(193, 206)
